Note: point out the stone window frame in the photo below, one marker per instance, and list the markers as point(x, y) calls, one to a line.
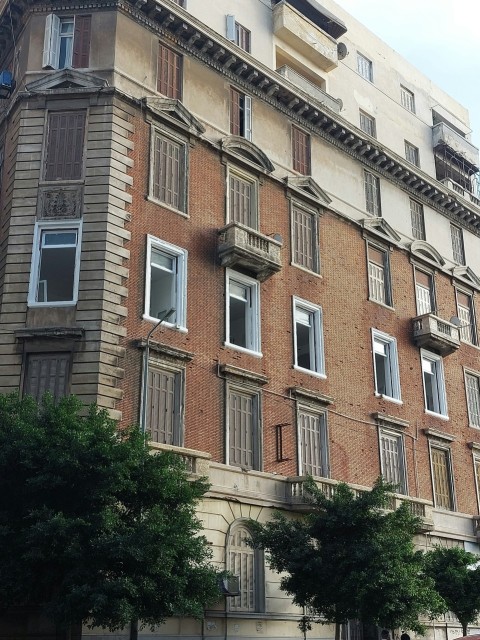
point(317, 350)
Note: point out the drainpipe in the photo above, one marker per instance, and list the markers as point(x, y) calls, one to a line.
point(146, 356)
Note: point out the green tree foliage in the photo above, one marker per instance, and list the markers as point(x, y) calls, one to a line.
point(350, 558)
point(93, 527)
point(458, 585)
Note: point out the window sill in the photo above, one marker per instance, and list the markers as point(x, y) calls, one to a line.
point(323, 376)
point(440, 416)
point(184, 214)
point(61, 181)
point(316, 274)
point(168, 325)
point(251, 352)
point(389, 398)
point(52, 304)
point(381, 304)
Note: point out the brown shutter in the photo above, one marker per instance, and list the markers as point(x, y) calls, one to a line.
point(441, 479)
point(301, 151)
point(303, 230)
point(167, 170)
point(169, 74)
point(81, 42)
point(64, 156)
point(235, 116)
point(47, 372)
point(241, 430)
point(162, 412)
point(241, 209)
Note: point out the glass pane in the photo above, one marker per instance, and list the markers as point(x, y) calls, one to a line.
point(381, 374)
point(56, 274)
point(62, 238)
point(159, 259)
point(238, 322)
point(162, 293)
point(305, 352)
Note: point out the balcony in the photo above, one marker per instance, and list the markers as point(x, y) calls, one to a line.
point(466, 195)
point(434, 333)
point(240, 246)
point(305, 37)
point(463, 150)
point(310, 89)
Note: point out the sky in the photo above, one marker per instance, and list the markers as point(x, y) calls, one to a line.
point(440, 37)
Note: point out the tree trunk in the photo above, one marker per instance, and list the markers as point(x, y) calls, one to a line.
point(134, 630)
point(337, 630)
point(465, 628)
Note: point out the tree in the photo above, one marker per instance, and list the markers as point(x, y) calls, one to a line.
point(93, 527)
point(458, 585)
point(350, 558)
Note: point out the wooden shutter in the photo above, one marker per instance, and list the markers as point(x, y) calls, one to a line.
point(311, 431)
point(51, 42)
point(241, 203)
point(235, 115)
point(65, 141)
point(167, 171)
point(241, 561)
point(231, 32)
point(473, 399)
point(163, 410)
point(304, 238)
point(441, 479)
point(169, 80)
point(47, 372)
point(242, 430)
point(81, 42)
point(301, 151)
point(392, 460)
point(376, 274)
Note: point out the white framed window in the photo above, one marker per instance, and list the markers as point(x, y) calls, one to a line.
point(472, 389)
point(55, 264)
point(238, 33)
point(412, 153)
point(424, 292)
point(242, 199)
point(243, 427)
point(418, 220)
point(305, 250)
point(246, 563)
point(379, 275)
point(433, 383)
point(466, 314)
point(458, 249)
point(367, 124)
point(165, 402)
point(392, 458)
point(169, 170)
point(364, 67)
point(166, 283)
point(407, 98)
point(442, 477)
point(385, 364)
point(240, 114)
point(308, 337)
point(67, 42)
point(242, 312)
point(312, 442)
point(373, 203)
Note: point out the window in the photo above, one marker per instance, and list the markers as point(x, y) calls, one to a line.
point(55, 264)
point(367, 124)
point(433, 383)
point(166, 282)
point(67, 42)
point(379, 275)
point(308, 336)
point(240, 114)
point(243, 428)
point(385, 360)
point(312, 442)
point(305, 238)
point(246, 563)
point(242, 199)
point(412, 154)
point(472, 387)
point(467, 317)
point(47, 372)
point(238, 34)
point(407, 99)
point(418, 220)
point(424, 292)
point(364, 67)
point(301, 151)
point(372, 194)
point(442, 478)
point(392, 459)
point(164, 419)
point(457, 244)
point(169, 73)
point(243, 312)
point(64, 145)
point(169, 171)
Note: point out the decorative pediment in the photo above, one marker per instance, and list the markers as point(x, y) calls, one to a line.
point(174, 111)
point(380, 228)
point(243, 149)
point(425, 251)
point(467, 275)
point(67, 79)
point(306, 186)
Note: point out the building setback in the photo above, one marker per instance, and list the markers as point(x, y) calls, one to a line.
point(295, 204)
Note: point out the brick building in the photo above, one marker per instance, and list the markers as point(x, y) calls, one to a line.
point(288, 208)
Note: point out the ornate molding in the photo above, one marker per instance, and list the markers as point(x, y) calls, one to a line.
point(60, 203)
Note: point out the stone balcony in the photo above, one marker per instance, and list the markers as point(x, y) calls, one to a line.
point(445, 136)
point(310, 89)
point(434, 333)
point(240, 246)
point(305, 37)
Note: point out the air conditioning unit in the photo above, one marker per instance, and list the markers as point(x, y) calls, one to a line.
point(7, 84)
point(230, 586)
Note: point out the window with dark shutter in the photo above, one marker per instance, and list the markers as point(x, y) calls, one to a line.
point(163, 413)
point(243, 429)
point(81, 42)
point(442, 486)
point(242, 201)
point(169, 75)
point(312, 443)
point(47, 372)
point(169, 171)
point(241, 562)
point(392, 460)
point(304, 239)
point(300, 151)
point(65, 142)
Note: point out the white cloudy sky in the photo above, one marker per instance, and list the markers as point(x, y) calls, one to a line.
point(440, 37)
